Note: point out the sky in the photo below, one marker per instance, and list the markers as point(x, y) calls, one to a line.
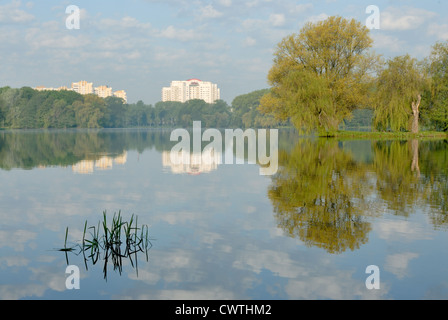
point(141, 46)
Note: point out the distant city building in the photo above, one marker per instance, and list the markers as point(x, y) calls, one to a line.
point(182, 91)
point(103, 91)
point(82, 87)
point(121, 94)
point(42, 88)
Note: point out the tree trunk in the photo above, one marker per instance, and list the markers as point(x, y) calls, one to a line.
point(415, 160)
point(416, 114)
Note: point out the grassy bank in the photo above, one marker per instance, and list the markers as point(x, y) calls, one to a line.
point(390, 135)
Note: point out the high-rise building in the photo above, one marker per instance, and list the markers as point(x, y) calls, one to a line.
point(182, 91)
point(42, 88)
point(82, 87)
point(103, 91)
point(121, 94)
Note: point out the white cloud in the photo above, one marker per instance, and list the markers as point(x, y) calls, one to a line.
point(225, 3)
point(400, 19)
point(249, 42)
point(398, 263)
point(123, 24)
point(14, 261)
point(171, 32)
point(389, 42)
point(20, 291)
point(277, 20)
point(22, 238)
point(208, 12)
point(278, 263)
point(51, 35)
point(317, 18)
point(438, 30)
point(400, 229)
point(301, 8)
point(256, 3)
point(12, 13)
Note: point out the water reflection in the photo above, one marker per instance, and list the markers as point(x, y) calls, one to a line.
point(413, 174)
point(320, 195)
point(196, 163)
point(308, 232)
point(81, 149)
point(325, 197)
point(103, 163)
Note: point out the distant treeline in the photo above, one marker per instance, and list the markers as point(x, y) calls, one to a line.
point(26, 108)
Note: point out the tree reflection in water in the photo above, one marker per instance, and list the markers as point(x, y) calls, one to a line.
point(327, 199)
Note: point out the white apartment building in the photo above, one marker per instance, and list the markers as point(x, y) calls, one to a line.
point(42, 88)
point(182, 91)
point(103, 91)
point(82, 87)
point(121, 94)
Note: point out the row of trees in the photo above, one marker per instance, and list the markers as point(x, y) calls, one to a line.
point(28, 108)
point(324, 73)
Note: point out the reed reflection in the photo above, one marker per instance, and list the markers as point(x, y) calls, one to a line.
point(111, 244)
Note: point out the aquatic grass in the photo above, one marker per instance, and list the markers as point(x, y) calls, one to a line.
point(112, 243)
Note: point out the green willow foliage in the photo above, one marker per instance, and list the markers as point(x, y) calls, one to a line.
point(398, 86)
point(437, 108)
point(320, 75)
point(326, 71)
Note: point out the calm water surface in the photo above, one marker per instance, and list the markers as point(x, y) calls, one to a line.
point(224, 231)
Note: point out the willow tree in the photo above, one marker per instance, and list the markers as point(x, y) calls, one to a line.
point(400, 86)
point(320, 75)
point(438, 70)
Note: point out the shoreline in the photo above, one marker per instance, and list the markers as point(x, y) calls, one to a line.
point(389, 135)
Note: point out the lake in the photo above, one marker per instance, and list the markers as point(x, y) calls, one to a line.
point(220, 231)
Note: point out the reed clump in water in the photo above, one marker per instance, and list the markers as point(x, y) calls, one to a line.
point(112, 243)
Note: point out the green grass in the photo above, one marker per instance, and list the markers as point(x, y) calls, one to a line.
point(111, 242)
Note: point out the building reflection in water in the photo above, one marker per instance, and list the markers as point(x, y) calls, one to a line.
point(104, 163)
point(193, 163)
